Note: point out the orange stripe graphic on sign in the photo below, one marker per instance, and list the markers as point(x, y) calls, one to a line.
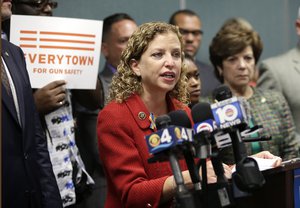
point(29, 39)
point(67, 41)
point(27, 46)
point(67, 34)
point(28, 32)
point(68, 48)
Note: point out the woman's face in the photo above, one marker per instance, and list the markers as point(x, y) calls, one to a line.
point(238, 69)
point(160, 65)
point(194, 83)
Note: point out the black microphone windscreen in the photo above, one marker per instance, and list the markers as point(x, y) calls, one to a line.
point(222, 92)
point(162, 121)
point(180, 118)
point(201, 112)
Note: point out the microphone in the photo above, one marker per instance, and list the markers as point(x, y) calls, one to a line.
point(231, 112)
point(165, 141)
point(234, 111)
point(163, 122)
point(222, 93)
point(167, 136)
point(254, 134)
point(205, 125)
point(180, 118)
point(230, 115)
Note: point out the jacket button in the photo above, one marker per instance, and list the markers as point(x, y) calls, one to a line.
point(149, 205)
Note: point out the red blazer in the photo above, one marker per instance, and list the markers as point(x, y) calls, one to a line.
point(131, 180)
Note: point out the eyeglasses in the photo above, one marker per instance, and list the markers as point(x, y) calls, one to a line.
point(195, 33)
point(38, 4)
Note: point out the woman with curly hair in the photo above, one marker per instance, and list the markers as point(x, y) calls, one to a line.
point(150, 82)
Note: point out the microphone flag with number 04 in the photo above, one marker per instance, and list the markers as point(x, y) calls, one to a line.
point(166, 138)
point(229, 112)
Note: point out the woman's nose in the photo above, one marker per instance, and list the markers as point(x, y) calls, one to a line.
point(242, 63)
point(170, 60)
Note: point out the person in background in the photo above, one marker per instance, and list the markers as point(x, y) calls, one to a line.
point(194, 82)
point(282, 73)
point(27, 176)
point(35, 7)
point(53, 102)
point(237, 23)
point(240, 23)
point(190, 27)
point(234, 53)
point(32, 7)
point(117, 29)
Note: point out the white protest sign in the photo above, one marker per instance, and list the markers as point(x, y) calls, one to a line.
point(59, 48)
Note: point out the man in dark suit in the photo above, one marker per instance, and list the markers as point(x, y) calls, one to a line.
point(190, 27)
point(27, 177)
point(53, 99)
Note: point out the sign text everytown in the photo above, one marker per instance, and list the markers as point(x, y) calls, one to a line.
point(59, 48)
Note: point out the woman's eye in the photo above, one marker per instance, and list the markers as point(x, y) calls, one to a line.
point(231, 59)
point(157, 55)
point(123, 40)
point(248, 58)
point(188, 76)
point(177, 54)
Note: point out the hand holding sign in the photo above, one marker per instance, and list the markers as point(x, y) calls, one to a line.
point(50, 97)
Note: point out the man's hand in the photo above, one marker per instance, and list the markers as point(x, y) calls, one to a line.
point(211, 176)
point(50, 97)
point(268, 155)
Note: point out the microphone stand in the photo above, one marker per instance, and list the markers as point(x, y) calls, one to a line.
point(222, 191)
point(194, 173)
point(218, 194)
point(203, 151)
point(239, 149)
point(183, 197)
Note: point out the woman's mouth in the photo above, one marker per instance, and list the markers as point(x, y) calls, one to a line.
point(195, 93)
point(168, 75)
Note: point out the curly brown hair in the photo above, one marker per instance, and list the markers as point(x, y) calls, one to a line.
point(125, 82)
